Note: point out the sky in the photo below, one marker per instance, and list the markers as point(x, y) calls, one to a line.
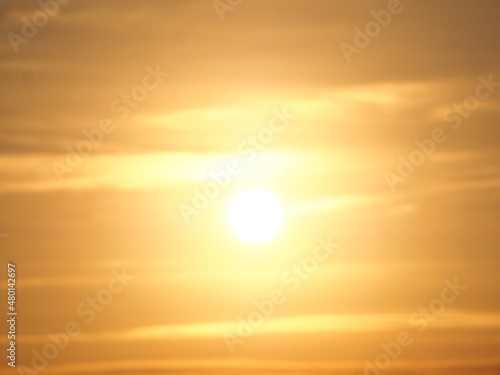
point(128, 128)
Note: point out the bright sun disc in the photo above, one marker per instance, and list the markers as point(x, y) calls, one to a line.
point(256, 216)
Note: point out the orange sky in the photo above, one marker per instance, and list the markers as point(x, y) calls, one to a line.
point(170, 93)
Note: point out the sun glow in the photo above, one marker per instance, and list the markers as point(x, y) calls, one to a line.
point(256, 216)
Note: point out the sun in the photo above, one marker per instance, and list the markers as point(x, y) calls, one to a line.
point(256, 215)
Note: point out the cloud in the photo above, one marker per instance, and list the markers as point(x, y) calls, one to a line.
point(308, 324)
point(259, 367)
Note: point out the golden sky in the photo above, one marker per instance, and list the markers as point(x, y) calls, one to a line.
point(374, 123)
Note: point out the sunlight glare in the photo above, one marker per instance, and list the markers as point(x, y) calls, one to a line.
point(256, 216)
